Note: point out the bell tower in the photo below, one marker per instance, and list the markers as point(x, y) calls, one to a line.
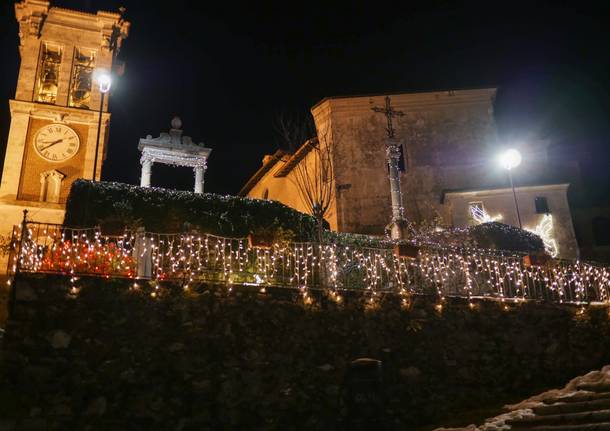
point(52, 139)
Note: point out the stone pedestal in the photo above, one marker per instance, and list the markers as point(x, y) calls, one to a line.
point(398, 226)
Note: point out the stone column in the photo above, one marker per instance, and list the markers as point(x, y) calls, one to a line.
point(199, 181)
point(398, 225)
point(146, 171)
point(142, 254)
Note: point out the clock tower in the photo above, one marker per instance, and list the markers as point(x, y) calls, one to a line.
point(55, 113)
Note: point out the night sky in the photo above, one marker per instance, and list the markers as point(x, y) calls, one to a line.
point(229, 68)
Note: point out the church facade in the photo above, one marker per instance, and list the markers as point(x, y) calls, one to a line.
point(56, 110)
point(448, 165)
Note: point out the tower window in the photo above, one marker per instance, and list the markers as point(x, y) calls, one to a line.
point(82, 73)
point(50, 186)
point(48, 73)
point(542, 205)
point(266, 194)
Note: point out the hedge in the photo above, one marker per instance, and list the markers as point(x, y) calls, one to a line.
point(116, 206)
point(501, 236)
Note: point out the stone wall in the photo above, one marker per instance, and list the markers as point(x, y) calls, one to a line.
point(112, 356)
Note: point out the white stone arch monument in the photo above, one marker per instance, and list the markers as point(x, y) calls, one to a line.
point(173, 149)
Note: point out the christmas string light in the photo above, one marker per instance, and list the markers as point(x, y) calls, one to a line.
point(188, 258)
point(544, 229)
point(480, 216)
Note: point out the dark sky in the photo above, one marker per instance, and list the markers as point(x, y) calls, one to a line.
point(228, 68)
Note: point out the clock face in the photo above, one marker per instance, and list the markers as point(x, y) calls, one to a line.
point(56, 142)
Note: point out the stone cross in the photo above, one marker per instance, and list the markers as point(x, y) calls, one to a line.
point(389, 113)
point(398, 225)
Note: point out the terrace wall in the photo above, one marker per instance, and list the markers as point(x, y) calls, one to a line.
point(110, 356)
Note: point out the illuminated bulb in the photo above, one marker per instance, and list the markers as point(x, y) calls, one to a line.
point(153, 294)
point(505, 308)
point(439, 307)
point(472, 305)
point(510, 159)
point(262, 290)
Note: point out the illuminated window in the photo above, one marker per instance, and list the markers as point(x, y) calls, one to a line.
point(82, 74)
point(50, 186)
point(542, 205)
point(48, 73)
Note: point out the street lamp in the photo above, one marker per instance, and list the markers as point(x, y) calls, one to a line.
point(509, 160)
point(104, 81)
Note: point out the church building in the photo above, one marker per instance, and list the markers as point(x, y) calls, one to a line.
point(54, 137)
point(448, 167)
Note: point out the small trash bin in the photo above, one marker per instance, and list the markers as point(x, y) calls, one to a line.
point(363, 395)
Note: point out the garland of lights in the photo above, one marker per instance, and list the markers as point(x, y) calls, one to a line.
point(480, 216)
point(448, 271)
point(544, 229)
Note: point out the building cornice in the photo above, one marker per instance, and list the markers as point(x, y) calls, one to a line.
point(296, 157)
point(502, 190)
point(269, 163)
point(60, 114)
point(412, 100)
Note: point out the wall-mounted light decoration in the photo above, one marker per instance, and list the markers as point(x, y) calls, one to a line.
point(544, 229)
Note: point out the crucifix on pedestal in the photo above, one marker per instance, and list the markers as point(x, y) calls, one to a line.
point(398, 225)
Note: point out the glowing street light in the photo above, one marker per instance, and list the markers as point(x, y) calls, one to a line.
point(509, 160)
point(104, 81)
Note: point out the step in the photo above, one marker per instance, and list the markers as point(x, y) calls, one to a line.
point(582, 406)
point(584, 427)
point(600, 416)
point(578, 397)
point(594, 387)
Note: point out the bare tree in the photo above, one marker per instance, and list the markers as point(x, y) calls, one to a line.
point(314, 175)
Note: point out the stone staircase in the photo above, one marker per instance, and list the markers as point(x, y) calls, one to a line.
point(585, 410)
point(582, 405)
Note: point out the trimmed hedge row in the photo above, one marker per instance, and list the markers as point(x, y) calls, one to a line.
point(116, 206)
point(501, 236)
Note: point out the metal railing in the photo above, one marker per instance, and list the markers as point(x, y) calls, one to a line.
point(194, 257)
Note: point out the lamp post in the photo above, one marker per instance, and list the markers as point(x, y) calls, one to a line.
point(104, 81)
point(509, 160)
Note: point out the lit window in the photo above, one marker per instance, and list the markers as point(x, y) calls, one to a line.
point(48, 73)
point(542, 205)
point(50, 186)
point(82, 73)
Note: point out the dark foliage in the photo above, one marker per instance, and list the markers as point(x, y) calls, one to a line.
point(501, 236)
point(116, 206)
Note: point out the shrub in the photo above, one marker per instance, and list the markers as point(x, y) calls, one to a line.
point(501, 236)
point(116, 206)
